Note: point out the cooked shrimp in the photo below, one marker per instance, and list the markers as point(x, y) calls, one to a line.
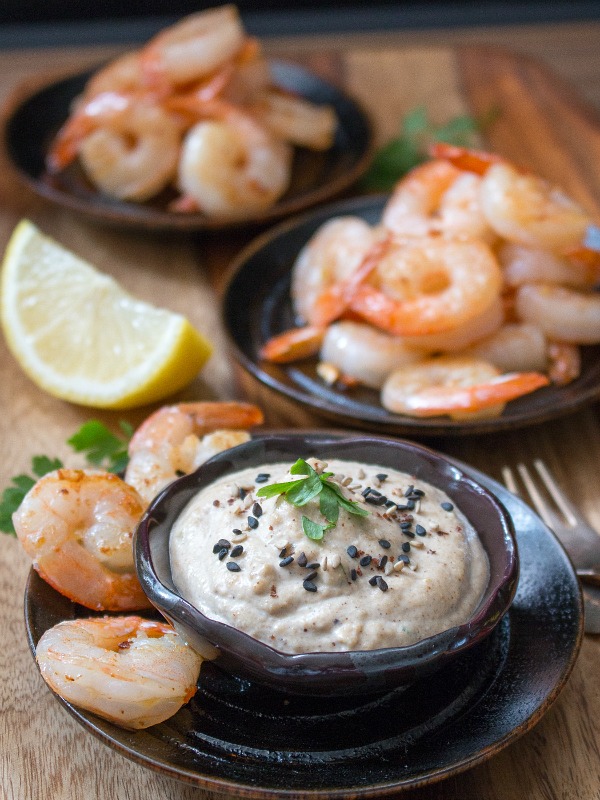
point(293, 345)
point(416, 198)
point(77, 526)
point(193, 48)
point(122, 74)
point(456, 386)
point(564, 362)
point(331, 256)
point(515, 347)
point(131, 671)
point(522, 264)
point(455, 339)
point(229, 164)
point(430, 285)
point(177, 439)
point(527, 210)
point(127, 146)
point(296, 120)
point(364, 353)
point(565, 315)
point(464, 158)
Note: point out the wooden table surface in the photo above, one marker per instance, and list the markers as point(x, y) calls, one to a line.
point(43, 752)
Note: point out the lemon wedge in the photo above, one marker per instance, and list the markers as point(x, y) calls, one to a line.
point(82, 338)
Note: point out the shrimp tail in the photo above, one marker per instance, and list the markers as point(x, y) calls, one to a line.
point(464, 158)
point(293, 345)
point(436, 400)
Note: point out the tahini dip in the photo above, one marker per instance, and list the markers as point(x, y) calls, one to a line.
point(403, 573)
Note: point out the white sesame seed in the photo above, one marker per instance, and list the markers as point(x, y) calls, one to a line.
point(413, 566)
point(434, 526)
point(355, 487)
point(324, 564)
point(398, 566)
point(361, 474)
point(415, 543)
point(389, 568)
point(239, 537)
point(335, 560)
point(347, 481)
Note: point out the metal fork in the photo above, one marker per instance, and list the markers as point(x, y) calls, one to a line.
point(579, 539)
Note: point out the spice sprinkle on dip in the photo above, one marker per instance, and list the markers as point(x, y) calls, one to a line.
point(316, 557)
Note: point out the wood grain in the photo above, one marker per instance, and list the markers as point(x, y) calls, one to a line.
point(43, 752)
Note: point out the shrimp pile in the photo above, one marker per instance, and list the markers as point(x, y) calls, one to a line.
point(475, 288)
point(78, 525)
point(194, 110)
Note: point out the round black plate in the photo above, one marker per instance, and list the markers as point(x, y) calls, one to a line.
point(316, 177)
point(257, 305)
point(242, 739)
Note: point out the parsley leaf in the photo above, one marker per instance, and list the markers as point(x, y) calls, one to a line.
point(300, 492)
point(410, 148)
point(101, 448)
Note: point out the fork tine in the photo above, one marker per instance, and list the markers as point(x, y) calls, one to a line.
point(536, 498)
point(557, 494)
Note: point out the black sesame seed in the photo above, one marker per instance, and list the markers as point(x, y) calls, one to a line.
point(383, 561)
point(224, 543)
point(257, 510)
point(262, 477)
point(409, 491)
point(390, 504)
point(237, 551)
point(376, 500)
point(365, 561)
point(366, 491)
point(286, 561)
point(405, 525)
point(236, 531)
point(382, 584)
point(406, 547)
point(222, 553)
point(217, 548)
point(302, 560)
point(404, 557)
point(408, 506)
point(373, 580)
point(352, 551)
point(309, 586)
point(418, 493)
point(253, 522)
point(420, 530)
point(353, 574)
point(381, 475)
point(283, 552)
point(242, 494)
point(385, 544)
point(233, 567)
point(409, 534)
point(447, 506)
point(313, 565)
point(311, 576)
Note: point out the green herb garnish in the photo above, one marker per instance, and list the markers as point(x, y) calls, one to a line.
point(101, 448)
point(300, 491)
point(411, 147)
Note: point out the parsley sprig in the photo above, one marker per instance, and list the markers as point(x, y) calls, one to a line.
point(101, 449)
point(302, 490)
point(411, 147)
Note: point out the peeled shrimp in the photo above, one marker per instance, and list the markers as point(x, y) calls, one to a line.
point(364, 353)
point(77, 526)
point(123, 75)
point(131, 671)
point(296, 120)
point(437, 198)
point(515, 347)
point(177, 439)
point(563, 314)
point(230, 165)
point(522, 264)
point(456, 386)
point(330, 257)
point(527, 210)
point(194, 47)
point(127, 146)
point(430, 285)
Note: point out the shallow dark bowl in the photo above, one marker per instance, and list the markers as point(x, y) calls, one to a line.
point(341, 672)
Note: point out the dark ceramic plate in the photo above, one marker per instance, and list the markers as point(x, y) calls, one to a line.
point(239, 738)
point(257, 305)
point(316, 177)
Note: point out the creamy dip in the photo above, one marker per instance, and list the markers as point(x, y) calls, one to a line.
point(403, 573)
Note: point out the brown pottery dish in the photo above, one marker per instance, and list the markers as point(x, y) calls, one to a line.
point(257, 305)
point(316, 176)
point(328, 672)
